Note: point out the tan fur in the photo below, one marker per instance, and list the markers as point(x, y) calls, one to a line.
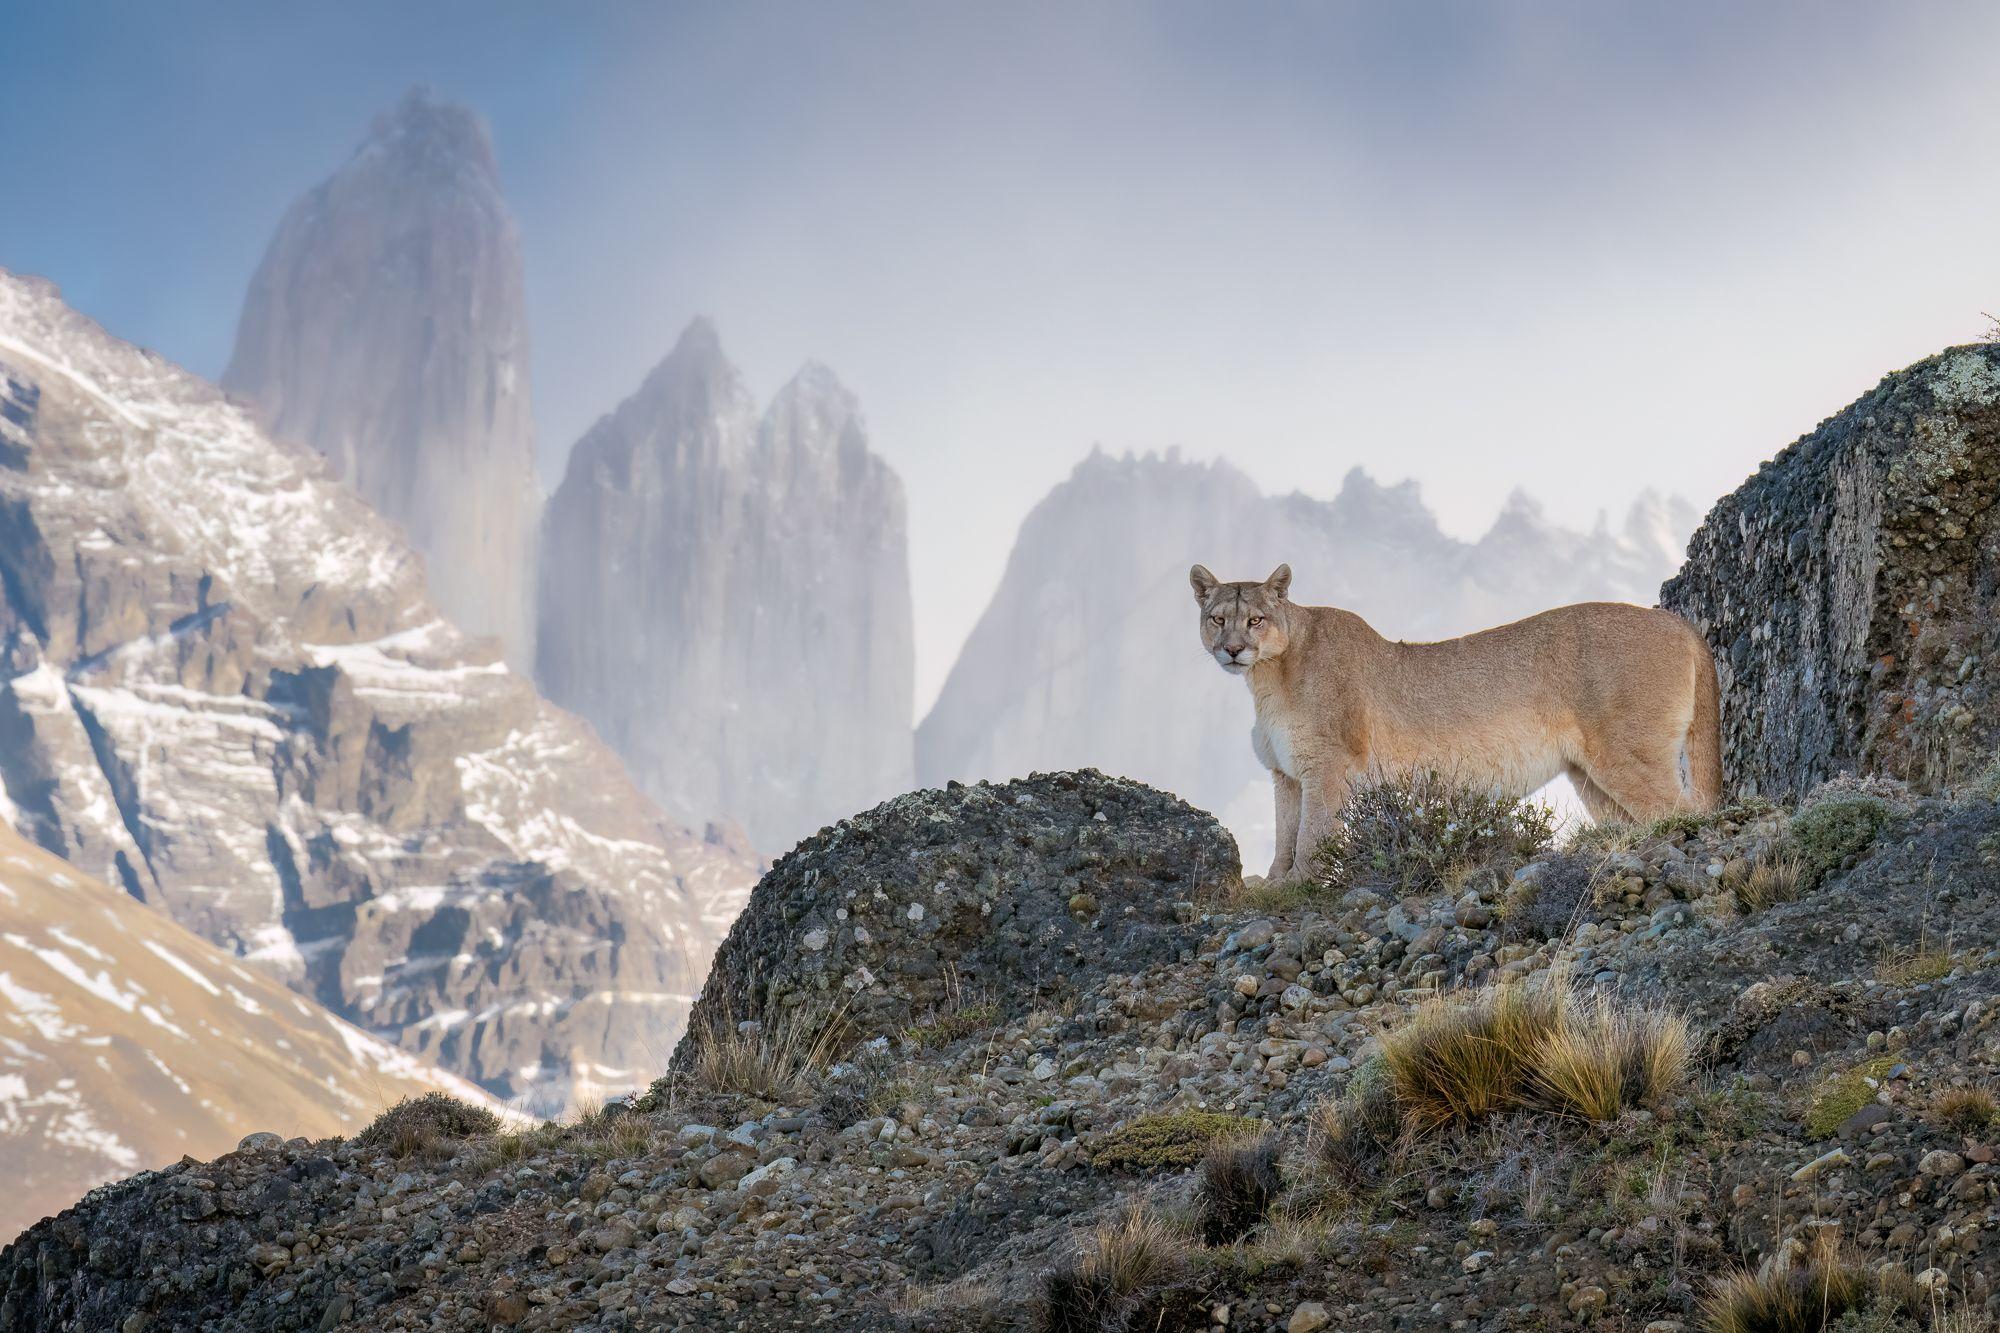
point(1621, 698)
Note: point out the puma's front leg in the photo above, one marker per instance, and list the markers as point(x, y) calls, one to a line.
point(1323, 795)
point(1285, 789)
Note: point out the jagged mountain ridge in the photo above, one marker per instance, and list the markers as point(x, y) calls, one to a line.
point(227, 693)
point(1087, 654)
point(386, 328)
point(752, 569)
point(126, 1042)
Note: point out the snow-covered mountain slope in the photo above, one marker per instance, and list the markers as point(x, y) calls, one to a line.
point(386, 327)
point(223, 689)
point(126, 1042)
point(756, 570)
point(1089, 655)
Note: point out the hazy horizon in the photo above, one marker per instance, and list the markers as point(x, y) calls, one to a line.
point(1582, 251)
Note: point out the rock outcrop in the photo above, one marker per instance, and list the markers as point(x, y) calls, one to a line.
point(727, 598)
point(1851, 589)
point(226, 692)
point(386, 329)
point(942, 1177)
point(127, 1042)
point(983, 895)
point(1088, 652)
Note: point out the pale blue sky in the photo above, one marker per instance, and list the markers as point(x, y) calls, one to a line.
point(1579, 248)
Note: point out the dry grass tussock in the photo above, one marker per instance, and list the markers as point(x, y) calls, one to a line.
point(1532, 1048)
point(1240, 1182)
point(1114, 1267)
point(1810, 1286)
point(779, 1061)
point(1770, 881)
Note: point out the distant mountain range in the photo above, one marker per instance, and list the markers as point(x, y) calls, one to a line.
point(1088, 653)
point(127, 1042)
point(226, 692)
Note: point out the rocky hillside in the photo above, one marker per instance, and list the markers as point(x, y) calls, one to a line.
point(749, 570)
point(386, 329)
point(1851, 589)
point(1088, 653)
point(127, 1042)
point(226, 692)
point(1026, 1151)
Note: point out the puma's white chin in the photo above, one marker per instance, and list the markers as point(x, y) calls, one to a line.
point(1235, 668)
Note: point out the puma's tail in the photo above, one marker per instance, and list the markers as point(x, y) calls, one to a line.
point(1704, 733)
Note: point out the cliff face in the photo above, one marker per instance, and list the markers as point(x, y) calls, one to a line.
point(726, 596)
point(1088, 653)
point(385, 328)
point(1851, 589)
point(126, 1042)
point(226, 693)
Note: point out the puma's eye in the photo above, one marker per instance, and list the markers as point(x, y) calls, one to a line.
point(1215, 621)
point(1255, 621)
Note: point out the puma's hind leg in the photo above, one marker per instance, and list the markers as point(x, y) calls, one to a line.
point(1639, 773)
point(1596, 801)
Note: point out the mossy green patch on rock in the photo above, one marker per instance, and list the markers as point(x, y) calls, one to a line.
point(1843, 1094)
point(1170, 1142)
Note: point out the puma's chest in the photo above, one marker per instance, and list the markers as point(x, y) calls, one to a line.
point(1271, 739)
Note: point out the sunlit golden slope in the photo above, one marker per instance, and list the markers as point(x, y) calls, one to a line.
point(126, 1041)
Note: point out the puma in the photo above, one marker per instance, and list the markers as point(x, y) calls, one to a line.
point(1620, 698)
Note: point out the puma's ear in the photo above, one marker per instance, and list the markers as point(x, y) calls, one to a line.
point(1203, 582)
point(1280, 581)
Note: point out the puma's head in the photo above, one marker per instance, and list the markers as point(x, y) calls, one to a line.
point(1242, 623)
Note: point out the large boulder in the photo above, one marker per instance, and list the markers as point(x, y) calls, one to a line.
point(983, 894)
point(1851, 590)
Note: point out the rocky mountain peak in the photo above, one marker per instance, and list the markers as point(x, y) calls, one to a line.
point(386, 328)
point(756, 566)
point(423, 130)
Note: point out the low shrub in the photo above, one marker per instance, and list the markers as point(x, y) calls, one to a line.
point(1553, 899)
point(419, 1124)
point(1425, 832)
point(1173, 1141)
point(1832, 833)
point(1239, 1183)
point(1356, 1134)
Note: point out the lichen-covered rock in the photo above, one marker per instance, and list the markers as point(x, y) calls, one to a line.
point(1851, 590)
point(969, 894)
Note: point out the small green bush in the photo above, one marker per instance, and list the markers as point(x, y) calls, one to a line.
point(1824, 837)
point(1426, 833)
point(1170, 1142)
point(951, 1025)
point(416, 1124)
